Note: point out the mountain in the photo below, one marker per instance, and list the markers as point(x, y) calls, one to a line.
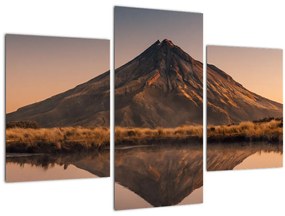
point(86, 104)
point(161, 87)
point(229, 102)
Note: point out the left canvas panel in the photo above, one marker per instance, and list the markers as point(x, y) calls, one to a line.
point(57, 108)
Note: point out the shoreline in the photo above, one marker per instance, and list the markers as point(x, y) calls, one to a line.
point(242, 139)
point(151, 141)
point(52, 154)
point(51, 148)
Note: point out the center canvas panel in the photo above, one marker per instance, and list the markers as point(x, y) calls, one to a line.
point(158, 108)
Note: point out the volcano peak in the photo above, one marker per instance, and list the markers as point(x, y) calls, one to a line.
point(167, 42)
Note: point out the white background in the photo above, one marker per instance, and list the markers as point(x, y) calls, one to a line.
point(247, 23)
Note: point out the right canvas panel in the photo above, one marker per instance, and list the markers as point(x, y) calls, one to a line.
point(244, 108)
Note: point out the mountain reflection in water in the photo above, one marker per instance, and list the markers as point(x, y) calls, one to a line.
point(234, 156)
point(161, 175)
point(57, 166)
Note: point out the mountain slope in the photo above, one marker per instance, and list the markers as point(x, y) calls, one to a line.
point(86, 104)
point(229, 102)
point(162, 87)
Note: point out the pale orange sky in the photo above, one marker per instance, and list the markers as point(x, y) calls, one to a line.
point(135, 29)
point(257, 69)
point(38, 67)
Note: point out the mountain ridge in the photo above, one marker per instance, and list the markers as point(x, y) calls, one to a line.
point(56, 111)
point(234, 102)
point(161, 87)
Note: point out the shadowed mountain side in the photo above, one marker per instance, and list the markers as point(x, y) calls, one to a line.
point(228, 156)
point(95, 163)
point(229, 102)
point(86, 105)
point(162, 176)
point(162, 87)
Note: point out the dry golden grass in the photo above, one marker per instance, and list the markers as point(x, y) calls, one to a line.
point(56, 139)
point(144, 135)
point(73, 139)
point(271, 131)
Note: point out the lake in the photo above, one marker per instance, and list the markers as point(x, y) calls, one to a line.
point(151, 176)
point(37, 167)
point(244, 155)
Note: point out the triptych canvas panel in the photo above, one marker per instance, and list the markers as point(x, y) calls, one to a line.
point(244, 108)
point(58, 108)
point(57, 105)
point(158, 108)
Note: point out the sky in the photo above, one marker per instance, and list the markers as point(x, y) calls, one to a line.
point(38, 67)
point(137, 29)
point(257, 69)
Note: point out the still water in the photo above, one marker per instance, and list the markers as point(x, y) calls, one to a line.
point(238, 156)
point(36, 167)
point(158, 176)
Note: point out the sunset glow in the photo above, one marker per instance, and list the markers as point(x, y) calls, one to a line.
point(39, 67)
